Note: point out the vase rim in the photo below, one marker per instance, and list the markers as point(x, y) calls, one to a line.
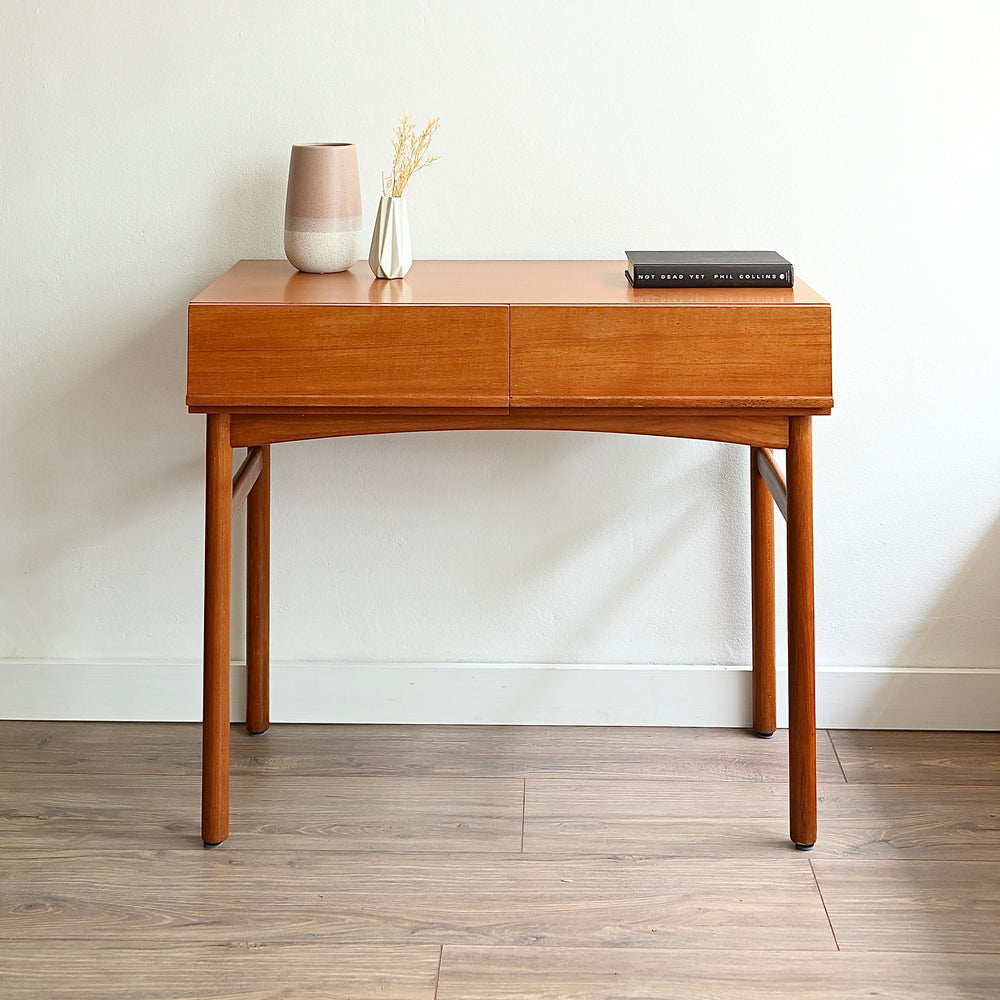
point(312, 145)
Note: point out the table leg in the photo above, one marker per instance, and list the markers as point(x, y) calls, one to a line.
point(801, 636)
point(762, 600)
point(218, 555)
point(258, 597)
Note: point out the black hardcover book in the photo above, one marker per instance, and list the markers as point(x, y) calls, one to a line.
point(708, 269)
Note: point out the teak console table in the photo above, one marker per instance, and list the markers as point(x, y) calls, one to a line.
point(276, 355)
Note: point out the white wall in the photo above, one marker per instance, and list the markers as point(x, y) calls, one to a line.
point(145, 148)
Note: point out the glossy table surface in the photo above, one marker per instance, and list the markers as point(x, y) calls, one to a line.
point(478, 282)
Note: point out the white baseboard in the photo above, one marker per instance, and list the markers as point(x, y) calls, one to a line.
point(503, 694)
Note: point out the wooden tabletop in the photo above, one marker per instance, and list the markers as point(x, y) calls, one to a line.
point(478, 282)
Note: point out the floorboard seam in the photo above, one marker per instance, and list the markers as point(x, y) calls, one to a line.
point(437, 975)
point(829, 736)
point(812, 868)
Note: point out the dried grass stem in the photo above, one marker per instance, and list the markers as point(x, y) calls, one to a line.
point(409, 154)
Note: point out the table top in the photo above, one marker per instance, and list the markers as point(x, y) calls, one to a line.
point(479, 282)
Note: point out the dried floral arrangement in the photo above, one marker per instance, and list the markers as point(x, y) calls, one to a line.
point(409, 154)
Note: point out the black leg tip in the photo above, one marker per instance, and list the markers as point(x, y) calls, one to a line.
point(209, 844)
point(257, 732)
point(764, 736)
point(804, 847)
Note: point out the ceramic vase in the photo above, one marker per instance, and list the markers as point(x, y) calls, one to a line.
point(390, 255)
point(323, 207)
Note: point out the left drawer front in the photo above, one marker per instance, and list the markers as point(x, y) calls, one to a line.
point(357, 356)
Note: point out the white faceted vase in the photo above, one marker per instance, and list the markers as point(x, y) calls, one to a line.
point(323, 208)
point(390, 255)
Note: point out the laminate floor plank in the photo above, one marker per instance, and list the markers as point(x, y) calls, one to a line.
point(910, 822)
point(520, 751)
point(467, 751)
point(894, 757)
point(478, 973)
point(215, 896)
point(106, 747)
point(732, 819)
point(286, 813)
point(231, 970)
point(706, 819)
point(934, 907)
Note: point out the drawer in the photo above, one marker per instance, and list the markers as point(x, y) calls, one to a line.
point(671, 356)
point(331, 355)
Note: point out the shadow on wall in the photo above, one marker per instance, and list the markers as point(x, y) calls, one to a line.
point(638, 534)
point(962, 629)
point(530, 546)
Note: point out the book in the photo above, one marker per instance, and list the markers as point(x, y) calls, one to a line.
point(708, 269)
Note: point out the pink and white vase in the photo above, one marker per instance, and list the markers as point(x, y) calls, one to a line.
point(323, 207)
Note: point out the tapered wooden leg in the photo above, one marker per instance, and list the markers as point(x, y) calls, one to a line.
point(258, 597)
point(801, 637)
point(218, 554)
point(762, 599)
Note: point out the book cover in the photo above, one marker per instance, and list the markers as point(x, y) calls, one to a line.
point(708, 269)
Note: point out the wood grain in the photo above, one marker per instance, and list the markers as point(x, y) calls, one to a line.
point(913, 906)
point(801, 635)
point(940, 758)
point(295, 813)
point(346, 356)
point(215, 896)
point(762, 356)
point(475, 973)
point(239, 969)
point(521, 751)
point(216, 648)
point(105, 891)
point(573, 332)
point(717, 819)
point(774, 478)
point(762, 603)
point(687, 819)
point(910, 822)
point(246, 476)
point(469, 751)
point(70, 748)
point(470, 282)
point(258, 601)
point(754, 428)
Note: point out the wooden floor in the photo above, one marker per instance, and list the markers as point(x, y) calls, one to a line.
point(451, 863)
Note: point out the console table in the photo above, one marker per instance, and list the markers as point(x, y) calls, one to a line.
point(276, 355)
